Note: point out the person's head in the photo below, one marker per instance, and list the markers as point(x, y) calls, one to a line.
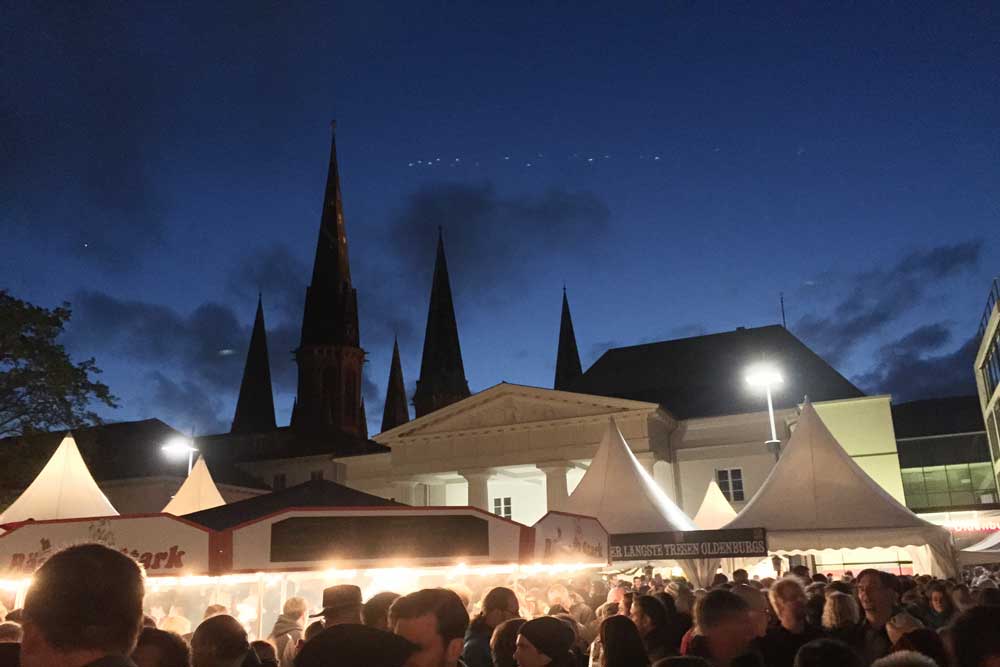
point(962, 598)
point(877, 594)
point(648, 615)
point(295, 608)
point(621, 643)
point(312, 630)
point(740, 576)
point(214, 610)
point(988, 597)
point(220, 641)
point(683, 597)
point(840, 611)
point(757, 604)
point(266, 653)
point(668, 605)
point(722, 618)
point(435, 620)
point(975, 638)
point(375, 612)
point(559, 595)
point(83, 601)
point(827, 653)
point(503, 642)
point(341, 604)
point(625, 608)
point(159, 648)
point(345, 645)
point(789, 601)
point(925, 641)
point(719, 579)
point(10, 632)
point(905, 659)
point(544, 641)
point(499, 605)
point(606, 609)
point(800, 571)
point(837, 587)
point(176, 624)
point(900, 624)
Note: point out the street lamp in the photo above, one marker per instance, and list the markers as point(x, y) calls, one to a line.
point(178, 447)
point(767, 376)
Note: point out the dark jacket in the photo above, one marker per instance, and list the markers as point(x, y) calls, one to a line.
point(476, 652)
point(779, 646)
point(658, 646)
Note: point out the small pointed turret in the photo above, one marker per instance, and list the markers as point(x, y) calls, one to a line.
point(396, 411)
point(568, 367)
point(255, 406)
point(442, 374)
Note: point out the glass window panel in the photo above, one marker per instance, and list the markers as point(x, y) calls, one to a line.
point(913, 481)
point(916, 501)
point(938, 499)
point(958, 478)
point(723, 477)
point(963, 498)
point(982, 482)
point(738, 494)
point(736, 474)
point(936, 480)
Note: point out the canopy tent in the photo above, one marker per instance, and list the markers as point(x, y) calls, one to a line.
point(198, 492)
point(816, 497)
point(986, 550)
point(715, 511)
point(619, 493)
point(64, 489)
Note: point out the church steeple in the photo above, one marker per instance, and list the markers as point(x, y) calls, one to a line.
point(329, 356)
point(568, 367)
point(255, 406)
point(396, 411)
point(442, 374)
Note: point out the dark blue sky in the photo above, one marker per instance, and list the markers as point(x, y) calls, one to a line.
point(677, 164)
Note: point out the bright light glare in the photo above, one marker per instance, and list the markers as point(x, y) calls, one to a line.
point(178, 447)
point(763, 375)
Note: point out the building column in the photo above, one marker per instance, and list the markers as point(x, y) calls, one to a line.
point(479, 489)
point(556, 492)
point(406, 491)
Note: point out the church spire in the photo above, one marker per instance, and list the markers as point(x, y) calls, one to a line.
point(255, 406)
point(442, 375)
point(568, 367)
point(396, 411)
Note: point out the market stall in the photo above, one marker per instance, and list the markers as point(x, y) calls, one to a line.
point(818, 501)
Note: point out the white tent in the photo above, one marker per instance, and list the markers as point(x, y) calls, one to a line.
point(64, 489)
point(198, 492)
point(618, 491)
point(816, 497)
point(715, 511)
point(986, 550)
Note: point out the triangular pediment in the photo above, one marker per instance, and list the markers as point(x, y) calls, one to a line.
point(507, 405)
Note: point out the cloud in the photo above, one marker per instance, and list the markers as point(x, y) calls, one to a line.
point(914, 367)
point(878, 297)
point(185, 405)
point(278, 275)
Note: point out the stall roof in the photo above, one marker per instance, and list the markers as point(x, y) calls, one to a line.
point(619, 493)
point(198, 492)
point(314, 493)
point(64, 489)
point(715, 511)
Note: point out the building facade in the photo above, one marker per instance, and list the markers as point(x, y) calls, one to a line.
point(987, 370)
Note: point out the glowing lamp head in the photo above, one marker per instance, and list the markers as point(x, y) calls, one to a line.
point(178, 448)
point(763, 375)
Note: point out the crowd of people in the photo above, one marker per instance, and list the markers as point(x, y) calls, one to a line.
point(84, 608)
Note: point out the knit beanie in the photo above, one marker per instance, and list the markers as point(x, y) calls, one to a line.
point(549, 635)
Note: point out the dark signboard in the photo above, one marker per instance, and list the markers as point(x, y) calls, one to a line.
point(688, 544)
point(335, 538)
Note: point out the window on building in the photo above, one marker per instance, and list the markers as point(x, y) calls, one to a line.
point(316, 475)
point(279, 482)
point(959, 485)
point(501, 507)
point(730, 480)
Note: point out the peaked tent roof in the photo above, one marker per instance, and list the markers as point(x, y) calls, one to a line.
point(64, 489)
point(715, 511)
point(198, 492)
point(986, 550)
point(817, 497)
point(314, 493)
point(702, 376)
point(621, 494)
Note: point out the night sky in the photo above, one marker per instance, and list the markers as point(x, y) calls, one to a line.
point(677, 165)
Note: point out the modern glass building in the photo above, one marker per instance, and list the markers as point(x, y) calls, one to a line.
point(987, 369)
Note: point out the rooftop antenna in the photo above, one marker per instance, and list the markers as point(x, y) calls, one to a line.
point(782, 298)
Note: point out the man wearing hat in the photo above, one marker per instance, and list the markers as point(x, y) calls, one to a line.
point(341, 605)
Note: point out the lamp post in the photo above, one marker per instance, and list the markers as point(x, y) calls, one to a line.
point(178, 447)
point(767, 376)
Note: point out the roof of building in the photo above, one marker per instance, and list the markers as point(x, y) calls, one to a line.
point(937, 416)
point(704, 376)
point(285, 443)
point(314, 493)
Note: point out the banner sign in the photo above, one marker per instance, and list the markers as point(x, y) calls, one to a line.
point(568, 538)
point(165, 545)
point(689, 544)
